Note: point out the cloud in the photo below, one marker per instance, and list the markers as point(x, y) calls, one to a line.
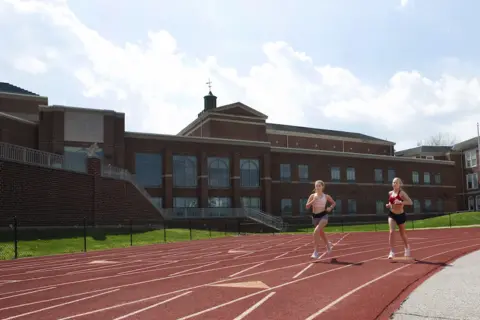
point(403, 3)
point(160, 87)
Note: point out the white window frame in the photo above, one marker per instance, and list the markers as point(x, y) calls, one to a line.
point(473, 178)
point(477, 199)
point(471, 158)
point(430, 157)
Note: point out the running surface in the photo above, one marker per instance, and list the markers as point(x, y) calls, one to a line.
point(246, 277)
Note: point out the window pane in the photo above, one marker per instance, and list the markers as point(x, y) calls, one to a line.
point(249, 173)
point(184, 171)
point(219, 172)
point(148, 169)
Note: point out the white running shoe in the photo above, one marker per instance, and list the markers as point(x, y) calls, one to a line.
point(315, 255)
point(391, 255)
point(407, 251)
point(329, 247)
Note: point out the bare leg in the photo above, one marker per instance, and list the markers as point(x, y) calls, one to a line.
point(391, 238)
point(403, 234)
point(316, 237)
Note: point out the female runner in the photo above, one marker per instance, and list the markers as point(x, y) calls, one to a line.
point(318, 200)
point(397, 198)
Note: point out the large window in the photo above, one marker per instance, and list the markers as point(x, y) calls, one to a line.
point(440, 205)
point(471, 158)
point(251, 202)
point(438, 178)
point(184, 171)
point(391, 175)
point(185, 202)
point(352, 206)
point(350, 174)
point(285, 172)
point(380, 207)
point(249, 173)
point(378, 175)
point(157, 202)
point(335, 173)
point(303, 172)
point(218, 172)
point(148, 169)
point(302, 203)
point(416, 206)
point(338, 206)
point(286, 206)
point(75, 158)
point(472, 181)
point(426, 177)
point(477, 198)
point(428, 205)
point(415, 177)
point(219, 202)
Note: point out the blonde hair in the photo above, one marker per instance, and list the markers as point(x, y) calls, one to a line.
point(320, 182)
point(400, 182)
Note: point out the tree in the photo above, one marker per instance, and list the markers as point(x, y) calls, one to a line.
point(440, 139)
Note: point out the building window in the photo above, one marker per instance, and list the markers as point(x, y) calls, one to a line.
point(378, 175)
point(303, 203)
point(471, 203)
point(338, 206)
point(380, 207)
point(303, 172)
point(428, 205)
point(439, 205)
point(286, 206)
point(391, 175)
point(219, 172)
point(148, 169)
point(472, 181)
point(477, 198)
point(157, 202)
point(249, 173)
point(352, 206)
point(430, 157)
point(438, 179)
point(350, 174)
point(415, 177)
point(416, 206)
point(185, 202)
point(471, 158)
point(251, 202)
point(426, 177)
point(285, 173)
point(219, 202)
point(335, 173)
point(184, 171)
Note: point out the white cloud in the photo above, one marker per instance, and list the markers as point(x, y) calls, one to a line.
point(160, 87)
point(403, 3)
point(30, 64)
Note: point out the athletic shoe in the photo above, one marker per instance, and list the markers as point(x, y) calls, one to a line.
point(329, 247)
point(315, 255)
point(391, 255)
point(407, 251)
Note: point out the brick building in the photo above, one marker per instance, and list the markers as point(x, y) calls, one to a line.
point(231, 157)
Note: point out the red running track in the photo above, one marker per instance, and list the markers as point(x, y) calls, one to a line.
point(248, 277)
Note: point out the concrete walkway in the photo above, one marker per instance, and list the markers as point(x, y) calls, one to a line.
point(451, 294)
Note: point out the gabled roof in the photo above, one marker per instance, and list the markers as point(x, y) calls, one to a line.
point(466, 145)
point(10, 88)
point(238, 106)
point(426, 150)
point(326, 132)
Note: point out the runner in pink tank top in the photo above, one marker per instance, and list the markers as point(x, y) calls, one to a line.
point(318, 200)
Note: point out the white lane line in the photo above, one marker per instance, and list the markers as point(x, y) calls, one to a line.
point(151, 307)
point(123, 304)
point(346, 295)
point(52, 299)
point(296, 281)
point(255, 306)
point(250, 268)
point(29, 292)
point(146, 268)
point(199, 267)
point(59, 305)
point(311, 264)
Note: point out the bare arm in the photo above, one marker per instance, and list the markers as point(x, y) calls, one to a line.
point(332, 203)
point(389, 205)
point(310, 201)
point(406, 199)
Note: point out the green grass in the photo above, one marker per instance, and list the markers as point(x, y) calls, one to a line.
point(69, 240)
point(49, 242)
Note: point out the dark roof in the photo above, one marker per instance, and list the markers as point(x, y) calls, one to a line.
point(466, 145)
point(334, 133)
point(423, 149)
point(10, 88)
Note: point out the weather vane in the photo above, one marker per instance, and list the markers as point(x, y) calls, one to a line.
point(209, 85)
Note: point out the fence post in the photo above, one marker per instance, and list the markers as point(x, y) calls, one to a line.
point(15, 236)
point(84, 234)
point(210, 230)
point(238, 226)
point(225, 228)
point(450, 219)
point(164, 232)
point(131, 233)
point(190, 228)
point(341, 219)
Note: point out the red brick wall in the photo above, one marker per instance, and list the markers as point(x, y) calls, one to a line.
point(22, 133)
point(50, 197)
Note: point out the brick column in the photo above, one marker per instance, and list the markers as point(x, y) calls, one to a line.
point(203, 179)
point(235, 178)
point(266, 179)
point(94, 168)
point(168, 181)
